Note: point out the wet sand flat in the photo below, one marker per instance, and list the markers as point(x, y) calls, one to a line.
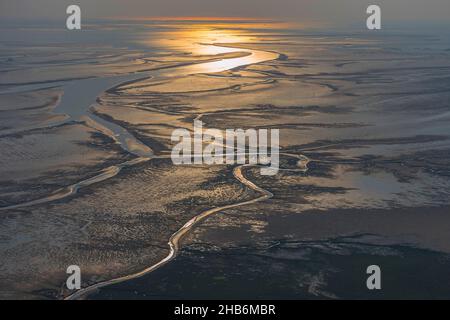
point(87, 178)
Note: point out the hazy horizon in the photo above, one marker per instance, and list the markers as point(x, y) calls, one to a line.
point(326, 11)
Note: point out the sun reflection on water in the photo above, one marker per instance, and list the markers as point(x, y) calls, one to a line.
point(222, 41)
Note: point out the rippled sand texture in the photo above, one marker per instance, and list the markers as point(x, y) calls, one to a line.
point(86, 177)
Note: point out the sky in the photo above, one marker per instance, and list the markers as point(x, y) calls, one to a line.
point(330, 11)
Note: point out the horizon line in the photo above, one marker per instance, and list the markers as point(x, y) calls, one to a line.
point(192, 18)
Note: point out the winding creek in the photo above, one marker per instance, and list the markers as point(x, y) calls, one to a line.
point(75, 103)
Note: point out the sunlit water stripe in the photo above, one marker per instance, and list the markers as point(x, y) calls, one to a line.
point(255, 56)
